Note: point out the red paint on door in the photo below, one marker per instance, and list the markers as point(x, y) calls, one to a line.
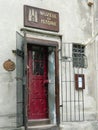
point(37, 82)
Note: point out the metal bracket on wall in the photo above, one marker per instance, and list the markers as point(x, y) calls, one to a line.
point(18, 52)
point(61, 106)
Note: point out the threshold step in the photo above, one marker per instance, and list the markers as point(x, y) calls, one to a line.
point(43, 127)
point(38, 122)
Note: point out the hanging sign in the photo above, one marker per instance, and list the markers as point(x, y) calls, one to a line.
point(41, 18)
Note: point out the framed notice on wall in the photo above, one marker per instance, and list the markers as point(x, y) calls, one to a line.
point(41, 18)
point(79, 81)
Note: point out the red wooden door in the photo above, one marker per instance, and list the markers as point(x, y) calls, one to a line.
point(37, 83)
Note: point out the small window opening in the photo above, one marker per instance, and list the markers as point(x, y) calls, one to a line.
point(78, 54)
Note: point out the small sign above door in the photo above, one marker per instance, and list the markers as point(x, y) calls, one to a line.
point(41, 19)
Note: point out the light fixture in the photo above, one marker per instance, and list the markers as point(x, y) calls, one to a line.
point(90, 2)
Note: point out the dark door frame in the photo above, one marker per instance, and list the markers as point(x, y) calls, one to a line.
point(47, 43)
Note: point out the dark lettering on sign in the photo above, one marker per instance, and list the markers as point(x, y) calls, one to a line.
point(40, 18)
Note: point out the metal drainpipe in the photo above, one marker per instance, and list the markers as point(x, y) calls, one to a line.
point(93, 21)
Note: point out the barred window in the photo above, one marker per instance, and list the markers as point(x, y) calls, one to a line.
point(78, 54)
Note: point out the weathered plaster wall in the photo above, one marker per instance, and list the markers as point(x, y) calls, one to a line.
point(75, 26)
point(96, 50)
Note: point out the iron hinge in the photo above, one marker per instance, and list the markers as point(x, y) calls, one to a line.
point(19, 78)
point(24, 81)
point(61, 105)
point(18, 52)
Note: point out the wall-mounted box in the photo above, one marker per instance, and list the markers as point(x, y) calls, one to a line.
point(79, 81)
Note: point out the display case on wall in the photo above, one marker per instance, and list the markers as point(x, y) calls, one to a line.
point(79, 81)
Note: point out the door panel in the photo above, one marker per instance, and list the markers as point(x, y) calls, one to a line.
point(37, 85)
point(19, 75)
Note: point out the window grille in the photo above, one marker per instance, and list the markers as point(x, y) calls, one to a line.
point(72, 99)
point(78, 54)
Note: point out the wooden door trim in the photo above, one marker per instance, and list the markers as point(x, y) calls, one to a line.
point(42, 42)
point(57, 86)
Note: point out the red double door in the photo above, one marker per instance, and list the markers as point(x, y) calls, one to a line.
point(37, 82)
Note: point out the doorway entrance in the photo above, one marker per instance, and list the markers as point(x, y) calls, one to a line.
point(37, 72)
point(37, 82)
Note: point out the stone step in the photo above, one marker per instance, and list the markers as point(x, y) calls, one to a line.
point(12, 128)
point(43, 127)
point(38, 122)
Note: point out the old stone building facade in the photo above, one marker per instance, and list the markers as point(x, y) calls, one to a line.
point(48, 65)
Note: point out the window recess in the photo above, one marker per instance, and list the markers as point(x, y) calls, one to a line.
point(79, 57)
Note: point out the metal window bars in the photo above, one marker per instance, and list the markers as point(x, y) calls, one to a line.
point(72, 100)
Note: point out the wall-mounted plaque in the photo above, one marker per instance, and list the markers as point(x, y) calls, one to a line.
point(79, 81)
point(41, 19)
point(9, 65)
